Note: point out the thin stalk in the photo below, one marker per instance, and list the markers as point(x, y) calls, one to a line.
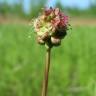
point(46, 74)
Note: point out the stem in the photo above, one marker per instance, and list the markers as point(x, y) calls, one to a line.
point(47, 66)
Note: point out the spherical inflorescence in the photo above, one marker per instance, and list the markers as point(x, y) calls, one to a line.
point(51, 27)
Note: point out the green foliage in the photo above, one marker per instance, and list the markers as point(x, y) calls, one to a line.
point(7, 9)
point(22, 63)
point(92, 9)
point(36, 6)
point(59, 5)
point(17, 8)
point(4, 8)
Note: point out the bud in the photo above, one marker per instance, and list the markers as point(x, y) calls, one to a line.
point(40, 41)
point(55, 41)
point(45, 36)
point(57, 10)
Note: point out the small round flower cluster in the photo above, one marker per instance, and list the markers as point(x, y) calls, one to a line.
point(51, 27)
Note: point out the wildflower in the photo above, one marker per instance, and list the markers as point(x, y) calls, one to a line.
point(51, 26)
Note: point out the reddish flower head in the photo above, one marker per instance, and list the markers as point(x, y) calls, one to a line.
point(51, 26)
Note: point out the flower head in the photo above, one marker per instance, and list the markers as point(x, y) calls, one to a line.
point(51, 26)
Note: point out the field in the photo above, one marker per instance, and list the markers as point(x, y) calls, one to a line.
point(73, 64)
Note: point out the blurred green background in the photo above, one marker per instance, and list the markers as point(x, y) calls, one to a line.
point(73, 64)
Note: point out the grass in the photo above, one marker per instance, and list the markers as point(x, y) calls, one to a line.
point(73, 64)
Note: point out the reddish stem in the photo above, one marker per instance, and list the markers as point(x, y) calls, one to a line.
point(47, 66)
